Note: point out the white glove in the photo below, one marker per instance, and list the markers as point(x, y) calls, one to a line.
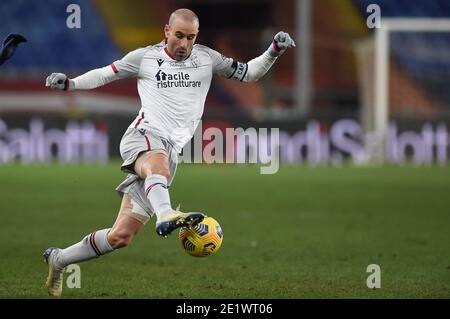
point(281, 41)
point(59, 81)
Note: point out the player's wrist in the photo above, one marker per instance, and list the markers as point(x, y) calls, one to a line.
point(274, 50)
point(69, 85)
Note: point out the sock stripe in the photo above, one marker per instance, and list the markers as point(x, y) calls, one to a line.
point(152, 185)
point(93, 244)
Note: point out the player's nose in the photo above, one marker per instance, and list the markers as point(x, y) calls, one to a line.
point(184, 43)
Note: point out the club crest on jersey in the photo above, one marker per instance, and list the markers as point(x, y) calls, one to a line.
point(179, 80)
point(195, 61)
point(160, 62)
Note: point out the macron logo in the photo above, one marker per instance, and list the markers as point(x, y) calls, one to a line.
point(161, 76)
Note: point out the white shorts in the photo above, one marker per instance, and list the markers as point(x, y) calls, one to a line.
point(133, 143)
point(136, 141)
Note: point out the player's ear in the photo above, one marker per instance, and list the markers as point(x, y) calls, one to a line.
point(167, 31)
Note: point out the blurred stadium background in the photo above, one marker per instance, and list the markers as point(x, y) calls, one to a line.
point(323, 97)
point(330, 77)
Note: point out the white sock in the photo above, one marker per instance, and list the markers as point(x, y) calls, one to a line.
point(92, 246)
point(158, 195)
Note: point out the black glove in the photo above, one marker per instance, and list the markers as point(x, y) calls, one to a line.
point(10, 45)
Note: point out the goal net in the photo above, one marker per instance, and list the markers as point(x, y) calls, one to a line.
point(404, 79)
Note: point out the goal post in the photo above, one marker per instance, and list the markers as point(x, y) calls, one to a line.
point(378, 74)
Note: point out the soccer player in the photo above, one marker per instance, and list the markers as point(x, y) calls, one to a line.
point(173, 80)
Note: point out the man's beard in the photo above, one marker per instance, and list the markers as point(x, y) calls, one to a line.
point(181, 54)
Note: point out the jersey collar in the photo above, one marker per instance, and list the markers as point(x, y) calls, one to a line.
point(168, 53)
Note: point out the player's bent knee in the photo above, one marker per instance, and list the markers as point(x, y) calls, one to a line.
point(153, 162)
point(119, 239)
point(159, 170)
point(164, 171)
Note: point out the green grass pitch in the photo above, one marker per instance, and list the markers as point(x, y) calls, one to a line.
point(301, 233)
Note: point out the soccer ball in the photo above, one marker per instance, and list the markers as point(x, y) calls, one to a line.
point(204, 239)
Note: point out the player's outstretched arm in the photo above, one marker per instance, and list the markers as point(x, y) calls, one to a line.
point(121, 69)
point(258, 67)
point(255, 68)
point(87, 81)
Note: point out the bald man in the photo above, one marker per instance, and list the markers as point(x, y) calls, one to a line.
point(174, 77)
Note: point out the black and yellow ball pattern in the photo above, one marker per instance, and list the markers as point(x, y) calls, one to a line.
point(202, 240)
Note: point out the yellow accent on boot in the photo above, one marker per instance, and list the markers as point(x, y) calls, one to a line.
point(55, 276)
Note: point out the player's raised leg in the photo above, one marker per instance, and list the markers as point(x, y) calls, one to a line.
point(153, 167)
point(95, 244)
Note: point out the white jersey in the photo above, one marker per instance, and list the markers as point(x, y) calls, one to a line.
point(173, 92)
